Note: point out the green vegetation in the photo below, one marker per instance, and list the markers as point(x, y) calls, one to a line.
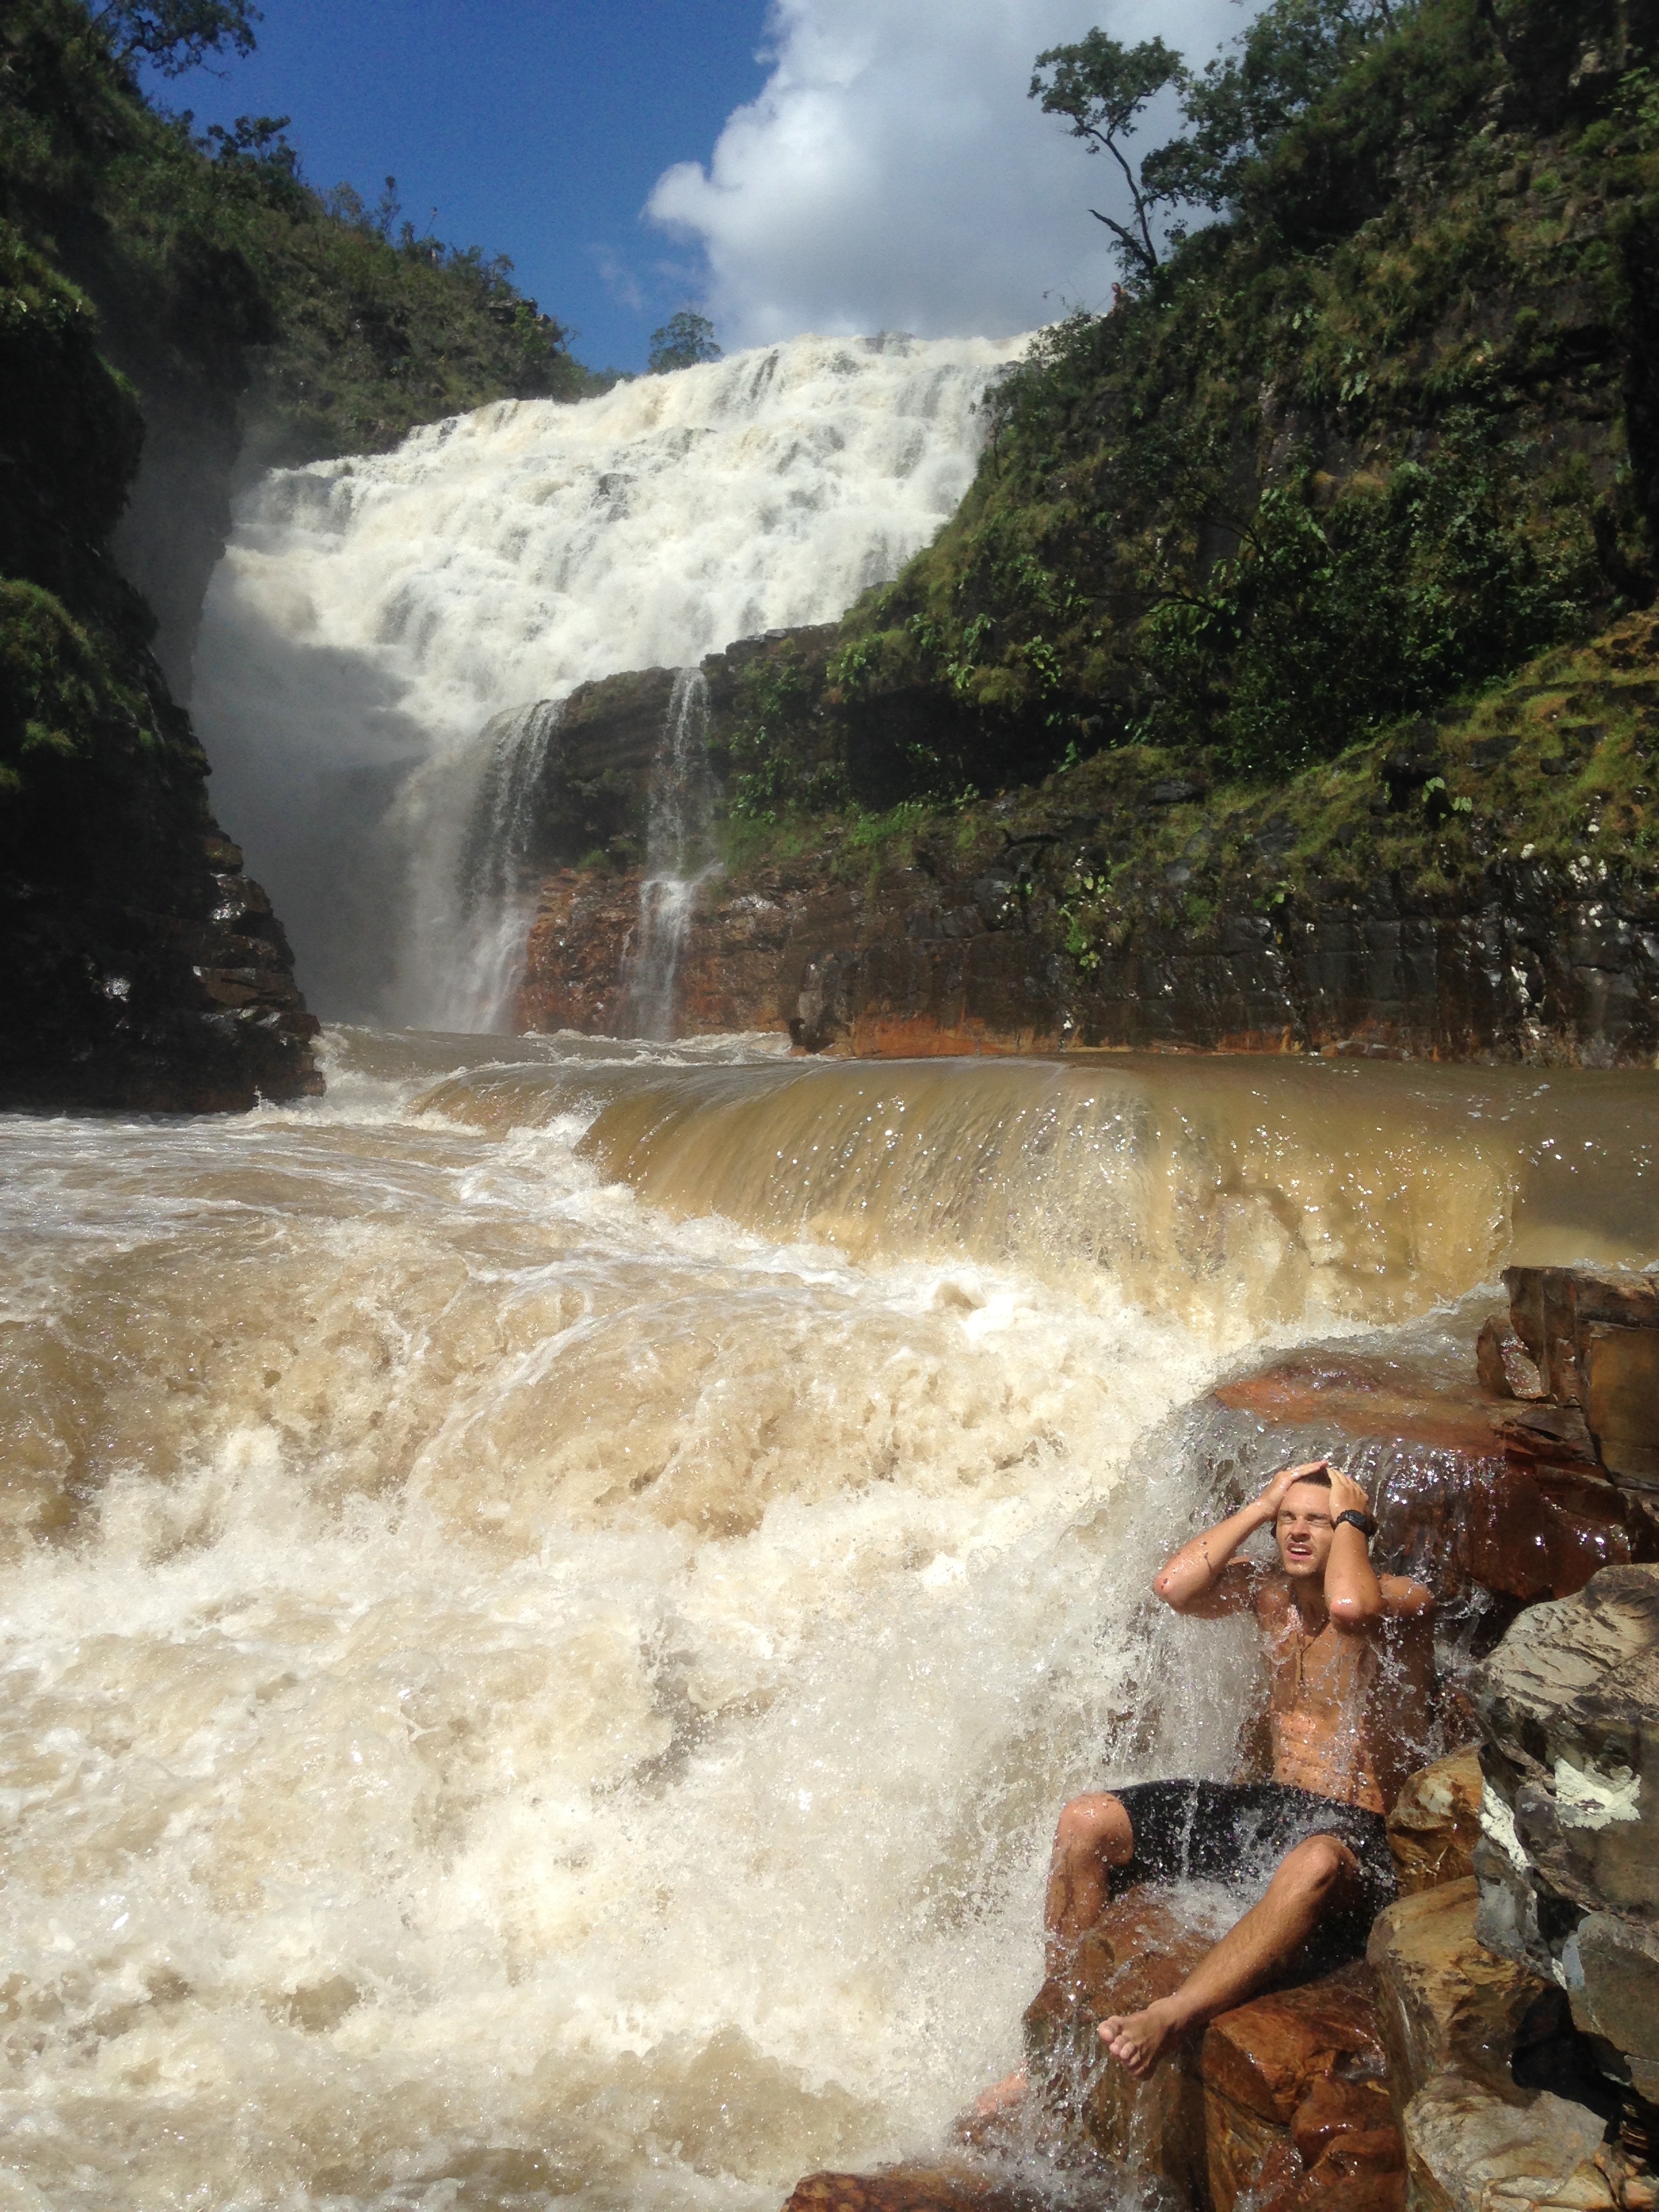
point(1354, 451)
point(686, 339)
point(192, 292)
point(335, 325)
point(1312, 573)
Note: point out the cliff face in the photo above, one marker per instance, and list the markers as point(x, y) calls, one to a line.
point(1284, 683)
point(139, 968)
point(1480, 887)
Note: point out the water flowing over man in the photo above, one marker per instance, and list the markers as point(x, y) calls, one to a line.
point(1334, 1630)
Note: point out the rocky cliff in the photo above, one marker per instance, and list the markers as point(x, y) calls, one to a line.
point(1480, 886)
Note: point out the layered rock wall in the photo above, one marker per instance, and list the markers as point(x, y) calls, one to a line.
point(1121, 905)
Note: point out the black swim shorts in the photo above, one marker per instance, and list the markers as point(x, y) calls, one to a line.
point(1237, 1833)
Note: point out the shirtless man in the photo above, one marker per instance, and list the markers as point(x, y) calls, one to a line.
point(1330, 1626)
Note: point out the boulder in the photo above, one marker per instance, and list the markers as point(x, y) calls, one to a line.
point(1469, 2150)
point(1445, 2000)
point(1569, 1864)
point(1282, 2098)
point(1594, 1337)
point(1309, 2059)
point(1435, 1823)
point(1142, 1948)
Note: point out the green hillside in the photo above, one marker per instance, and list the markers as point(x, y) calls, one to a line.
point(1348, 455)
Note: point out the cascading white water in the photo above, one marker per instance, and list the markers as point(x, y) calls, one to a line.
point(679, 854)
point(371, 617)
point(497, 902)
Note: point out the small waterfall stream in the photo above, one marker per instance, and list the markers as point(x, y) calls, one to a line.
point(497, 900)
point(679, 855)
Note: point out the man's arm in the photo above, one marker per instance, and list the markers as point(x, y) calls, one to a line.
point(1353, 1596)
point(1200, 1579)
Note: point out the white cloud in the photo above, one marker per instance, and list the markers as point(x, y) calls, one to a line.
point(892, 173)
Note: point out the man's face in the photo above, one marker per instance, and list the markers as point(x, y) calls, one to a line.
point(1303, 1530)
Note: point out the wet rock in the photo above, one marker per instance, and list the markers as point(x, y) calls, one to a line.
point(1469, 2150)
point(1462, 1504)
point(1454, 2016)
point(953, 2185)
point(1261, 2064)
point(1594, 1336)
point(173, 995)
point(1446, 2002)
point(1435, 1823)
point(1224, 2114)
point(1505, 1367)
point(1569, 1862)
point(1141, 1949)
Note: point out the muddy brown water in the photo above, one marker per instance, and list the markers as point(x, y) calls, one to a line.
point(550, 1596)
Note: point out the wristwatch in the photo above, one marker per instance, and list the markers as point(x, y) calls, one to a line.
point(1363, 1522)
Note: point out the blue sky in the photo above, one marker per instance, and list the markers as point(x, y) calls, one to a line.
point(827, 165)
point(536, 128)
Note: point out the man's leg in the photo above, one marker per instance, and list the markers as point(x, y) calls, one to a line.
point(1307, 1882)
point(1094, 1834)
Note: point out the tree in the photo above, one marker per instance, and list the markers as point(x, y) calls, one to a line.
point(1101, 86)
point(1245, 102)
point(174, 35)
point(684, 339)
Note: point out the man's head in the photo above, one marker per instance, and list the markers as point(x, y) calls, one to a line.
point(1302, 1527)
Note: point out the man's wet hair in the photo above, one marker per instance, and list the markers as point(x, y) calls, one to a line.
point(1320, 1478)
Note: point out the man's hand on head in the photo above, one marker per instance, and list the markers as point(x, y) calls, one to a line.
point(1273, 1496)
point(1347, 1496)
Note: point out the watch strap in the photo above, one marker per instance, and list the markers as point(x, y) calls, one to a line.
point(1363, 1522)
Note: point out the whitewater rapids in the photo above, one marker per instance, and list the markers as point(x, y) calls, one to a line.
point(549, 1602)
point(372, 616)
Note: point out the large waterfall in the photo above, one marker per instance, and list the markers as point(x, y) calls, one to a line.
point(372, 619)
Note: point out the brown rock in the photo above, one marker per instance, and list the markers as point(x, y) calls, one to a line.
point(1446, 2001)
point(1505, 1367)
point(1259, 2062)
point(1596, 1337)
point(1542, 1314)
point(1266, 2055)
point(1620, 1369)
point(1469, 2150)
point(953, 2185)
point(1435, 1823)
point(1334, 2107)
point(1354, 2173)
point(1141, 1949)
point(1559, 1433)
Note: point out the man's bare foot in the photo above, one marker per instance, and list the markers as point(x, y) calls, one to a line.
point(1010, 2091)
point(1139, 2039)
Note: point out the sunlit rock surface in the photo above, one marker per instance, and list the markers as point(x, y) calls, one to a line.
point(1569, 1867)
point(1435, 1823)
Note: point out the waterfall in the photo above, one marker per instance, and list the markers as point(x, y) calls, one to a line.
point(495, 899)
point(678, 854)
point(373, 618)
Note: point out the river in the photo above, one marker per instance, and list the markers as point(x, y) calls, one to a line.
point(552, 1594)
